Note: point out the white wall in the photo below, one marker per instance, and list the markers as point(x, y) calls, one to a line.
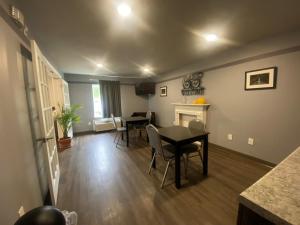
point(19, 183)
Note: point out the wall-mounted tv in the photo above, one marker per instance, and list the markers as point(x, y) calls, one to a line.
point(145, 88)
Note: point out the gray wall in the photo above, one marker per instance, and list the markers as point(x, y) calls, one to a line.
point(81, 93)
point(271, 117)
point(19, 183)
point(130, 102)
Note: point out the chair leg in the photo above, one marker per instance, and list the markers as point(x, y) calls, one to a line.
point(186, 165)
point(200, 155)
point(118, 138)
point(151, 164)
point(116, 134)
point(166, 171)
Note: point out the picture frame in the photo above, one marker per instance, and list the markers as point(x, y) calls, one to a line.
point(265, 78)
point(163, 91)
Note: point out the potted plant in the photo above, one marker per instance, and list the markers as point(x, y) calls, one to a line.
point(65, 119)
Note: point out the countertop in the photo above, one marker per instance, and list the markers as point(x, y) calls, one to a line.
point(276, 196)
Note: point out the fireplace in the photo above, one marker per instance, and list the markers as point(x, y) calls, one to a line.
point(184, 113)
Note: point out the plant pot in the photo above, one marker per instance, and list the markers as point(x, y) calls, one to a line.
point(64, 143)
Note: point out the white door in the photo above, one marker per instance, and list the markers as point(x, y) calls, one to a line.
point(67, 102)
point(42, 77)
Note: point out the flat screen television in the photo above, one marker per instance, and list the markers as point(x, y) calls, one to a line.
point(145, 88)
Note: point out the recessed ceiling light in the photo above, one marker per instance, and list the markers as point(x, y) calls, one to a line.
point(146, 69)
point(124, 9)
point(211, 37)
point(100, 65)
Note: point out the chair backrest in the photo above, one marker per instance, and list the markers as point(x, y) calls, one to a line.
point(149, 115)
point(114, 121)
point(154, 139)
point(197, 125)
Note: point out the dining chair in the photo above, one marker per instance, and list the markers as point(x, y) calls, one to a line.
point(149, 115)
point(189, 153)
point(119, 130)
point(166, 152)
point(142, 127)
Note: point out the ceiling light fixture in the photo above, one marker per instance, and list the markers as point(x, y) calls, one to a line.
point(211, 37)
point(100, 65)
point(146, 69)
point(124, 10)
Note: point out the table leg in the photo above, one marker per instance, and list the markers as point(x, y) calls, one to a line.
point(127, 134)
point(205, 155)
point(122, 132)
point(154, 161)
point(177, 167)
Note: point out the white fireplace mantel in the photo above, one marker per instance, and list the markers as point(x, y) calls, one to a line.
point(195, 105)
point(186, 112)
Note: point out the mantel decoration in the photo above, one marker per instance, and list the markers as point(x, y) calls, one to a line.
point(200, 101)
point(192, 84)
point(261, 79)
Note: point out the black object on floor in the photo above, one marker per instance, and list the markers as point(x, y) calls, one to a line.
point(45, 215)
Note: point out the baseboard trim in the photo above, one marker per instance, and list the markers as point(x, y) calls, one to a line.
point(103, 131)
point(269, 164)
point(76, 134)
point(83, 133)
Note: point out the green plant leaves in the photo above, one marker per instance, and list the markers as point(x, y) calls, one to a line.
point(66, 117)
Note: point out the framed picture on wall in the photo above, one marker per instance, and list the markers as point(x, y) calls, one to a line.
point(163, 91)
point(261, 79)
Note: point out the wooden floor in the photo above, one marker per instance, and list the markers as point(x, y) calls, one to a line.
point(105, 185)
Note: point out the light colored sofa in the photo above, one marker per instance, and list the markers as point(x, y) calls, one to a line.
point(105, 124)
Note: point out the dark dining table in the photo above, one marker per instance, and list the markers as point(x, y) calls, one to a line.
point(179, 136)
point(133, 120)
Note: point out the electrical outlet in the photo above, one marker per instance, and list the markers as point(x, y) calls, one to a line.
point(250, 141)
point(21, 211)
point(90, 123)
point(229, 137)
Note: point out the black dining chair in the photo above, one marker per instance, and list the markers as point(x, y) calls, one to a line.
point(194, 152)
point(166, 152)
point(142, 127)
point(119, 131)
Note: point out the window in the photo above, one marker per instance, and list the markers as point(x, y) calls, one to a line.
point(97, 100)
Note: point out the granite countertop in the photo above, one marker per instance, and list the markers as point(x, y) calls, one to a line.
point(276, 196)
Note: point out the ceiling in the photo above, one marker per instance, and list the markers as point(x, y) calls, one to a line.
point(164, 35)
